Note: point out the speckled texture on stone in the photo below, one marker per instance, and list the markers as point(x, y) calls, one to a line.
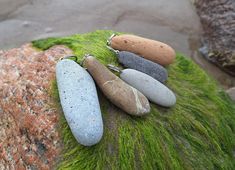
point(117, 91)
point(153, 50)
point(133, 61)
point(28, 135)
point(151, 88)
point(79, 100)
point(217, 18)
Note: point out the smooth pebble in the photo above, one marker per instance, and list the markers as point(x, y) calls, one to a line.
point(79, 100)
point(117, 91)
point(155, 91)
point(133, 61)
point(155, 51)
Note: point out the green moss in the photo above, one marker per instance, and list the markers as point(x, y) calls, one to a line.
point(197, 133)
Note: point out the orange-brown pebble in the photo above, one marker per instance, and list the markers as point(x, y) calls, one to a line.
point(116, 90)
point(155, 51)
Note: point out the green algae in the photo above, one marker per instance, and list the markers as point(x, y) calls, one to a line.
point(197, 133)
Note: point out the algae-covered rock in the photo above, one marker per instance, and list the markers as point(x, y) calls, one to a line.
point(198, 132)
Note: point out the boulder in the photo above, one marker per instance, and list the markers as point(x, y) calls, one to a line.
point(217, 18)
point(29, 137)
point(196, 132)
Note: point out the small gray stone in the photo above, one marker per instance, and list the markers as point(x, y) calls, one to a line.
point(150, 87)
point(231, 93)
point(79, 100)
point(131, 60)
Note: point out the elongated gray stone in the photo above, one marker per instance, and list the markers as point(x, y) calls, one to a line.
point(150, 87)
point(79, 100)
point(131, 60)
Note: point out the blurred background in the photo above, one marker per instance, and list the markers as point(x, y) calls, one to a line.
point(174, 22)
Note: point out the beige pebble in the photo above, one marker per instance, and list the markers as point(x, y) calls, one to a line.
point(231, 93)
point(155, 51)
point(116, 90)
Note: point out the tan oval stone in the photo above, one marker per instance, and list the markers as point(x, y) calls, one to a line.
point(155, 51)
point(116, 90)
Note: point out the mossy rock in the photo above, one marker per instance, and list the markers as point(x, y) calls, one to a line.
point(197, 133)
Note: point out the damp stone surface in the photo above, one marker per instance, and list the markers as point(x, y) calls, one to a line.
point(151, 88)
point(79, 100)
point(133, 61)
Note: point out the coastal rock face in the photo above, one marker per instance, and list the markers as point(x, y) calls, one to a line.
point(131, 60)
point(117, 91)
point(80, 103)
point(155, 51)
point(28, 135)
point(151, 88)
point(217, 18)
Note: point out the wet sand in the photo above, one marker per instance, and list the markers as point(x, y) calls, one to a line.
point(174, 22)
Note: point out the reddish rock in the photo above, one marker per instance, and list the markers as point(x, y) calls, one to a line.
point(28, 134)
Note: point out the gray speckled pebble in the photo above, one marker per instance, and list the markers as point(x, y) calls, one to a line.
point(136, 62)
point(151, 88)
point(79, 100)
